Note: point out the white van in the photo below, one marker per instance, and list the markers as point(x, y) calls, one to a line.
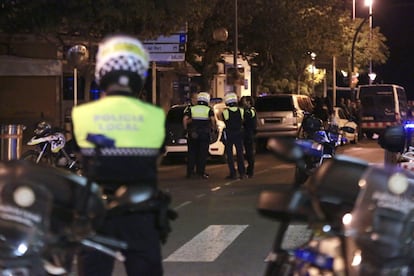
point(383, 105)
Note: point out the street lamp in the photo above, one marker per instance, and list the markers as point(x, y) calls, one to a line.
point(313, 56)
point(353, 10)
point(369, 4)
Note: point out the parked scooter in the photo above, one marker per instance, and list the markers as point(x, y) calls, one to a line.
point(51, 148)
point(47, 214)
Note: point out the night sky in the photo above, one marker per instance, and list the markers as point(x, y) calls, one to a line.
point(396, 21)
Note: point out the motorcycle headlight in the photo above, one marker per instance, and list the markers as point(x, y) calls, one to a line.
point(18, 240)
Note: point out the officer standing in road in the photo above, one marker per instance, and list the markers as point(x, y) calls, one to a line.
point(138, 130)
point(198, 121)
point(190, 148)
point(249, 132)
point(233, 117)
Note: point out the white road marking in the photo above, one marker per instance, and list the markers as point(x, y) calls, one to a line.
point(296, 235)
point(207, 245)
point(182, 205)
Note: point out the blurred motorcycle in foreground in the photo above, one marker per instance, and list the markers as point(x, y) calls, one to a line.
point(361, 217)
point(47, 214)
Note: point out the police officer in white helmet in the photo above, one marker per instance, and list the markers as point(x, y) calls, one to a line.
point(198, 121)
point(138, 130)
point(233, 117)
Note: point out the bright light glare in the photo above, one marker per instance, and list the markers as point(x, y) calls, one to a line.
point(372, 76)
point(346, 219)
point(326, 228)
point(409, 125)
point(368, 3)
point(356, 260)
point(21, 249)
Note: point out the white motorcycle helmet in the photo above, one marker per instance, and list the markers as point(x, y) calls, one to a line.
point(42, 127)
point(230, 98)
point(121, 60)
point(203, 97)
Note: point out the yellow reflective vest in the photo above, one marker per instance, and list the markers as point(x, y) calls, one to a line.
point(131, 122)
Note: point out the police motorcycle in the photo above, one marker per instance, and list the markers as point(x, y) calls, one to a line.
point(51, 147)
point(319, 143)
point(380, 227)
point(312, 210)
point(405, 157)
point(47, 214)
point(361, 217)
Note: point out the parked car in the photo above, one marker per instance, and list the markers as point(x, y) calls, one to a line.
point(348, 128)
point(176, 140)
point(281, 115)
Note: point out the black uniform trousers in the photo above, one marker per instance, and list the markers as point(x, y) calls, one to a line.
point(143, 256)
point(236, 139)
point(197, 153)
point(249, 148)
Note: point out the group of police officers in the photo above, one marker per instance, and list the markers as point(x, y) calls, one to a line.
point(240, 121)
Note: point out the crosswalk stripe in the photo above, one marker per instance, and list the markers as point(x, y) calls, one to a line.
point(207, 245)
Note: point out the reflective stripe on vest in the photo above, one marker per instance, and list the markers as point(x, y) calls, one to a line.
point(133, 124)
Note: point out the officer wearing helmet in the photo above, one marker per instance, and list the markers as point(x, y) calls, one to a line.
point(138, 131)
point(233, 117)
point(198, 121)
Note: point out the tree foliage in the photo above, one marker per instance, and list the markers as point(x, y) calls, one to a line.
point(277, 35)
point(97, 18)
point(368, 46)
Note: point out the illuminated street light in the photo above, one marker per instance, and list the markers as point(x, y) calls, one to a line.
point(372, 76)
point(369, 4)
point(313, 56)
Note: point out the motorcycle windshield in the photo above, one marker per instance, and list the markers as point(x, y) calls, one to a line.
point(18, 240)
point(382, 222)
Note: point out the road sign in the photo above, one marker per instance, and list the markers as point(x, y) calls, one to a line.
point(165, 48)
point(175, 38)
point(167, 57)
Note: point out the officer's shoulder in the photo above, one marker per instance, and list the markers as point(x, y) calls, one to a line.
point(84, 106)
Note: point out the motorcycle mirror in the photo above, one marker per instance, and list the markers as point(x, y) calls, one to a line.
point(393, 139)
point(284, 205)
